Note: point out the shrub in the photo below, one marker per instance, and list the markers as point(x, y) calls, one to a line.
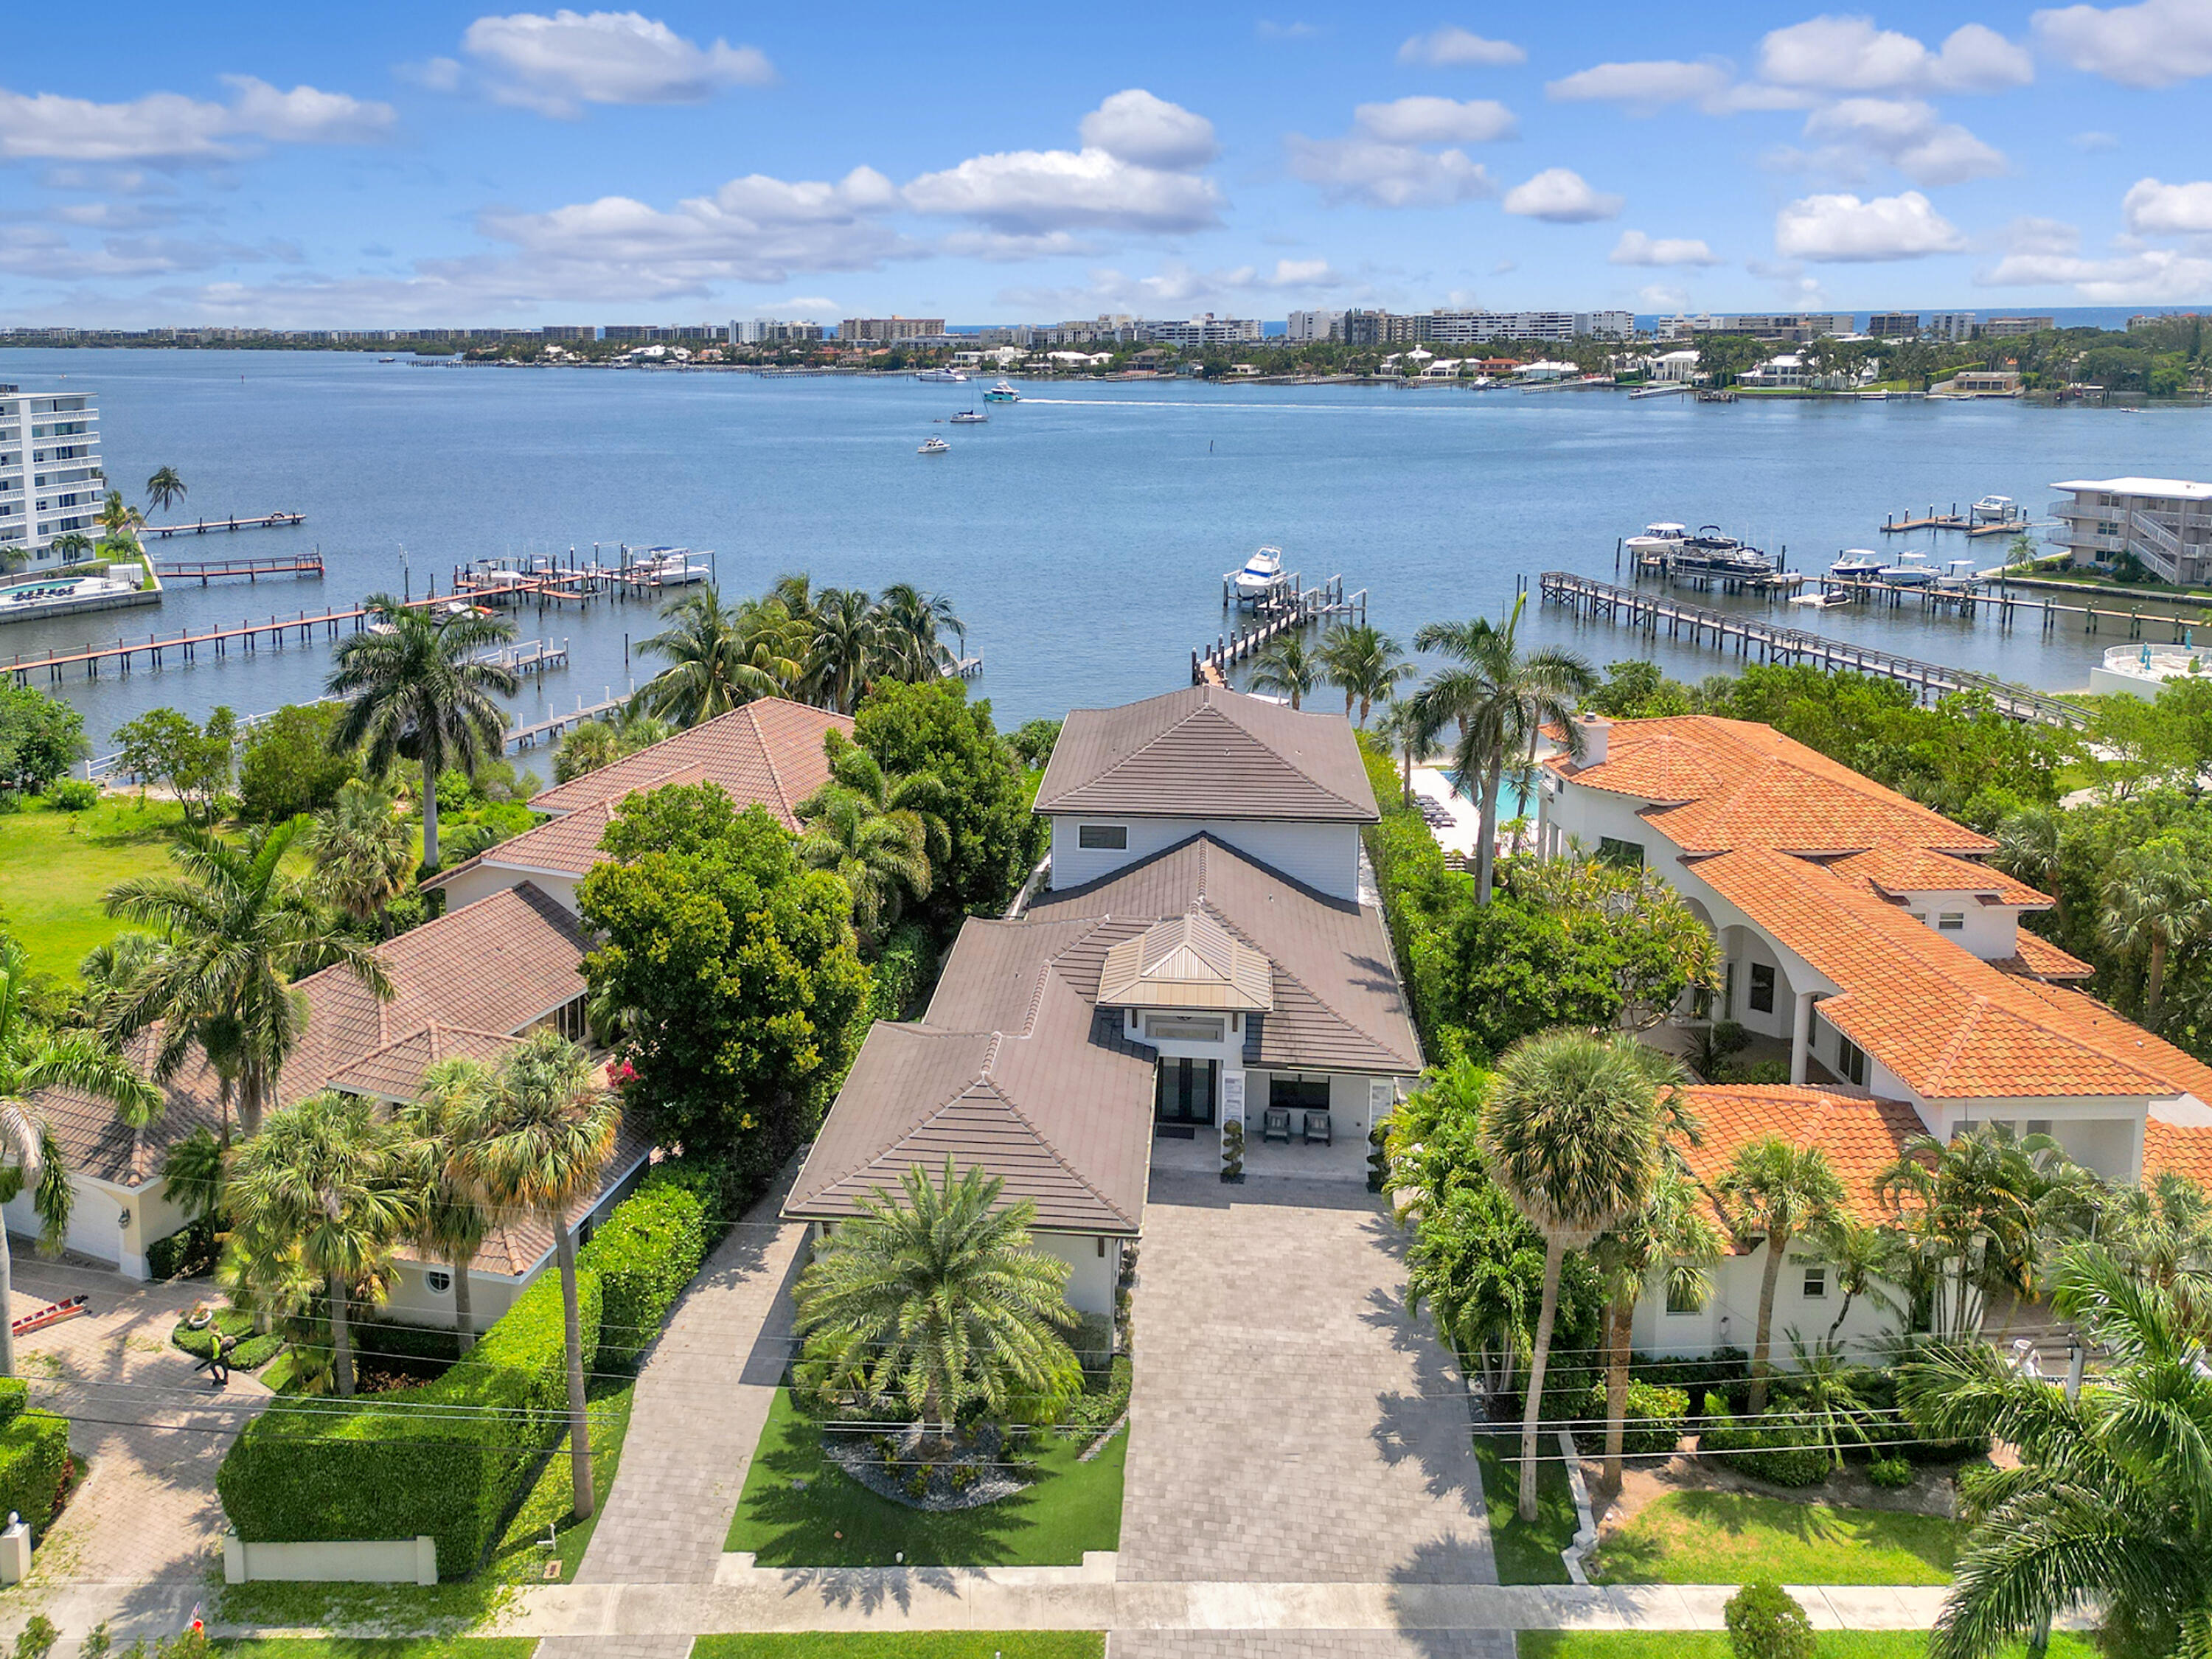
point(1711, 1382)
point(33, 1461)
point(1765, 1622)
point(72, 795)
point(1098, 1408)
point(646, 1252)
point(1890, 1474)
point(14, 1395)
point(287, 764)
point(1776, 1448)
point(902, 972)
point(1655, 1418)
point(186, 1253)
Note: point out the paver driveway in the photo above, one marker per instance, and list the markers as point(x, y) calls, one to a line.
point(1290, 1423)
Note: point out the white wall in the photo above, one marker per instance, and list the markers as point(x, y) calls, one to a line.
point(95, 1229)
point(1091, 1277)
point(485, 879)
point(1324, 856)
point(1730, 1316)
point(412, 1302)
point(1989, 931)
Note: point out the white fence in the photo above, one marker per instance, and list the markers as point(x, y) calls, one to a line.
point(388, 1561)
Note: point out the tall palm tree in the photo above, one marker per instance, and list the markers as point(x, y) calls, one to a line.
point(1365, 664)
point(2156, 901)
point(914, 626)
point(1776, 1191)
point(1966, 1221)
point(2111, 1504)
point(451, 1218)
point(359, 846)
point(329, 1177)
point(1287, 667)
point(1864, 1259)
point(417, 691)
point(1669, 1237)
point(1501, 698)
point(70, 545)
point(540, 1142)
point(848, 648)
point(881, 836)
point(118, 517)
point(938, 1301)
point(719, 659)
point(1408, 726)
point(2027, 850)
point(1571, 1131)
point(165, 489)
point(237, 931)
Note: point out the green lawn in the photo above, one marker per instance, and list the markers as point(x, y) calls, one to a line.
point(1732, 1537)
point(1714, 1644)
point(1526, 1554)
point(380, 1647)
point(55, 867)
point(910, 1644)
point(836, 1523)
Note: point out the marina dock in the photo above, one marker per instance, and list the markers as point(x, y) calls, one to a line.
point(2015, 523)
point(1753, 637)
point(1298, 607)
point(186, 647)
point(266, 521)
point(203, 571)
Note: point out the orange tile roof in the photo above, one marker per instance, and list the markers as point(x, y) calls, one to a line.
point(2177, 1148)
point(2036, 958)
point(1861, 1137)
point(768, 751)
point(1896, 869)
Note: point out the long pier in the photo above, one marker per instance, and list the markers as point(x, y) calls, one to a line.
point(206, 570)
point(302, 628)
point(1752, 636)
point(2015, 523)
point(265, 521)
point(1301, 607)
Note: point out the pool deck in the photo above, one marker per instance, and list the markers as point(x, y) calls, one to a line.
point(38, 610)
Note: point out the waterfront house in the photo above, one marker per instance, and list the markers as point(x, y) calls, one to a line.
point(1207, 952)
point(2166, 523)
point(1867, 940)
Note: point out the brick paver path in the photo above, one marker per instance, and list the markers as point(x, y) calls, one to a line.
point(152, 1429)
point(1290, 1423)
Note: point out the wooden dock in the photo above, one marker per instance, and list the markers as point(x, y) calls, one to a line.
point(266, 521)
point(158, 650)
point(1965, 523)
point(1300, 607)
point(529, 736)
point(206, 570)
point(967, 668)
point(1753, 637)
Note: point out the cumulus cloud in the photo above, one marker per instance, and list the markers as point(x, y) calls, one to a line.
point(1635, 248)
point(1438, 121)
point(1451, 47)
point(2153, 209)
point(170, 127)
point(1644, 87)
point(2155, 44)
point(2035, 235)
point(35, 251)
point(1358, 168)
point(557, 64)
point(2154, 275)
point(2093, 140)
point(1831, 54)
point(1909, 136)
point(1561, 196)
point(1844, 230)
point(1135, 126)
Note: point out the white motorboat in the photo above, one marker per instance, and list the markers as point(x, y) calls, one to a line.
point(1856, 564)
point(942, 377)
point(933, 446)
point(1960, 576)
point(1993, 509)
point(1261, 574)
point(1912, 570)
point(1002, 393)
point(1657, 538)
point(668, 567)
point(969, 418)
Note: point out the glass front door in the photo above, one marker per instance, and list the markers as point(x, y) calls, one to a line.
point(1187, 1090)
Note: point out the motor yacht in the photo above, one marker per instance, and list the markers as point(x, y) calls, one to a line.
point(933, 446)
point(969, 418)
point(1656, 539)
point(942, 377)
point(1856, 564)
point(1711, 553)
point(1993, 509)
point(1261, 574)
point(1002, 393)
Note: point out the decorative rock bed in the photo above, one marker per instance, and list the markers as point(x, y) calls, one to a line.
point(888, 1465)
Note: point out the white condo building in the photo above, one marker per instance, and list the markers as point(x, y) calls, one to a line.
point(50, 480)
point(2165, 522)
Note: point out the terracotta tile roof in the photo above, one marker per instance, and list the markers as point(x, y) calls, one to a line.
point(2036, 958)
point(1861, 1136)
point(1896, 869)
point(1207, 752)
point(2176, 1149)
point(768, 751)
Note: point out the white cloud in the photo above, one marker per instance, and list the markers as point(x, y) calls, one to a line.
point(1451, 47)
point(1174, 288)
point(2095, 140)
point(1908, 135)
point(559, 64)
point(32, 251)
point(1849, 54)
point(1030, 191)
point(2155, 44)
point(2151, 208)
point(1151, 132)
point(1561, 196)
point(1635, 248)
point(1001, 247)
point(170, 127)
point(1357, 169)
point(2155, 275)
point(1846, 229)
point(1644, 87)
point(2033, 235)
point(1438, 121)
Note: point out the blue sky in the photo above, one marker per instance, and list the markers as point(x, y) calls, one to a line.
point(308, 166)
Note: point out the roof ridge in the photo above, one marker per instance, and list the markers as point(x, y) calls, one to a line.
point(1229, 722)
point(1319, 1001)
point(1058, 1157)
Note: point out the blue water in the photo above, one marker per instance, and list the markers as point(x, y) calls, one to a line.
point(1082, 534)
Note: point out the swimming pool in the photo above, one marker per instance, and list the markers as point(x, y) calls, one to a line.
point(1512, 803)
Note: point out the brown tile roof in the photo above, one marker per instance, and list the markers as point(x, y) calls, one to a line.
point(1337, 1002)
point(493, 966)
point(395, 1070)
point(1207, 752)
point(768, 751)
point(1861, 1136)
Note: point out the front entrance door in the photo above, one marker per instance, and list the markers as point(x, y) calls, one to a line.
point(1188, 1088)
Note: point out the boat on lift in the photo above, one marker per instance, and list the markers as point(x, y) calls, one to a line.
point(1960, 576)
point(1912, 570)
point(1657, 539)
point(1856, 564)
point(1261, 575)
point(933, 446)
point(1712, 553)
point(1993, 509)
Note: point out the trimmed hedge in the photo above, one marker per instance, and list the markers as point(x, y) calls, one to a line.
point(34, 1458)
point(1655, 1417)
point(1776, 1449)
point(15, 1395)
point(646, 1251)
point(903, 972)
point(188, 1252)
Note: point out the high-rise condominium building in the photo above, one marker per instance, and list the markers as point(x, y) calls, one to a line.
point(1306, 326)
point(1953, 324)
point(1894, 326)
point(883, 330)
point(50, 480)
point(2005, 328)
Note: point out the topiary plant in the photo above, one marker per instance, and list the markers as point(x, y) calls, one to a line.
point(1232, 1151)
point(1765, 1622)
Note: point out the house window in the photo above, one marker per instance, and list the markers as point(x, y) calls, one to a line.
point(1762, 987)
point(1850, 1061)
point(438, 1281)
point(1951, 921)
point(1683, 1298)
point(1628, 854)
point(1300, 1094)
point(1183, 1028)
point(1103, 837)
point(575, 1023)
point(1816, 1284)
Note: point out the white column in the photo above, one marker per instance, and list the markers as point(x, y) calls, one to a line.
point(1801, 1037)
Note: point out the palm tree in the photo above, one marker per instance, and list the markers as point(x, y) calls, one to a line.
point(192, 1175)
point(328, 1177)
point(540, 1142)
point(718, 659)
point(586, 749)
point(1408, 726)
point(1501, 699)
point(451, 1218)
point(1365, 664)
point(1865, 1262)
point(1668, 1236)
point(238, 930)
point(417, 691)
point(1571, 1131)
point(914, 625)
point(1966, 1221)
point(1776, 1191)
point(2156, 902)
point(848, 647)
point(165, 489)
point(938, 1301)
point(359, 845)
point(880, 836)
point(70, 545)
point(2027, 850)
point(1287, 667)
point(117, 517)
point(2111, 1504)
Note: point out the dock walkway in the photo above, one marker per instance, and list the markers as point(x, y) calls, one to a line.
point(206, 570)
point(1299, 607)
point(201, 527)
